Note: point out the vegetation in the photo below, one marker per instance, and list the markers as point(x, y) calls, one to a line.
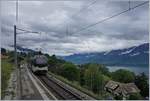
point(6, 69)
point(124, 76)
point(135, 96)
point(89, 78)
point(55, 64)
point(7, 66)
point(76, 85)
point(3, 51)
point(93, 78)
point(70, 71)
point(119, 97)
point(142, 83)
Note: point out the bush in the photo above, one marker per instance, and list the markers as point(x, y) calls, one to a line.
point(142, 83)
point(5, 75)
point(135, 96)
point(55, 65)
point(104, 70)
point(70, 71)
point(123, 76)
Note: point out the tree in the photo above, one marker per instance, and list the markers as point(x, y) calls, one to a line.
point(3, 51)
point(123, 76)
point(93, 78)
point(142, 83)
point(70, 71)
point(52, 61)
point(104, 70)
point(11, 53)
point(82, 80)
point(55, 64)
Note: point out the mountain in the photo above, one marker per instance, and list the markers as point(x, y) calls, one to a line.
point(136, 55)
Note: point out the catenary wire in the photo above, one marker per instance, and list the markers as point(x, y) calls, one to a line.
point(108, 18)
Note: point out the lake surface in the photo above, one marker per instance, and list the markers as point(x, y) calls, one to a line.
point(135, 69)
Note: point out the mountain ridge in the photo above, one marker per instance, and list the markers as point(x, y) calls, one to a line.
point(136, 55)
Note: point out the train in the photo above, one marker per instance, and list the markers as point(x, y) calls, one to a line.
point(39, 64)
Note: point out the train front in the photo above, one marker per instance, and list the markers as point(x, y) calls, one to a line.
point(40, 64)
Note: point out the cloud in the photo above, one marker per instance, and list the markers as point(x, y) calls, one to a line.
point(58, 21)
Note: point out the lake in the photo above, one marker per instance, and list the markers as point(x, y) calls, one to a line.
point(135, 69)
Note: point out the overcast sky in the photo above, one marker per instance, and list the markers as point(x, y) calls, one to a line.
point(58, 21)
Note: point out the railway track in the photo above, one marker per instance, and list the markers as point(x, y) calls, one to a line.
point(60, 91)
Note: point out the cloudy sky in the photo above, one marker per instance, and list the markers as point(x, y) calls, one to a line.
point(60, 23)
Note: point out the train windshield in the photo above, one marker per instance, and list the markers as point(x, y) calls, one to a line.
point(40, 61)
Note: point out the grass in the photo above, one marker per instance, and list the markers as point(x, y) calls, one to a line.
point(6, 69)
point(77, 86)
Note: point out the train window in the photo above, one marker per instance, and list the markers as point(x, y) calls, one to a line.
point(40, 61)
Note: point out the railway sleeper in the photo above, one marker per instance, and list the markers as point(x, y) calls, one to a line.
point(68, 90)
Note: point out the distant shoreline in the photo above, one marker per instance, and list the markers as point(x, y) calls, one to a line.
point(135, 69)
point(128, 65)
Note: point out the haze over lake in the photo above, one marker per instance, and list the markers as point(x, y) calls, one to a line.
point(135, 69)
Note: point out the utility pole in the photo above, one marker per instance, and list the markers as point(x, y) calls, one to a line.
point(19, 84)
point(19, 92)
point(15, 46)
point(15, 34)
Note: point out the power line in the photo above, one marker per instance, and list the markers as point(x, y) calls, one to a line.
point(27, 31)
point(85, 8)
point(108, 18)
point(67, 24)
point(82, 9)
